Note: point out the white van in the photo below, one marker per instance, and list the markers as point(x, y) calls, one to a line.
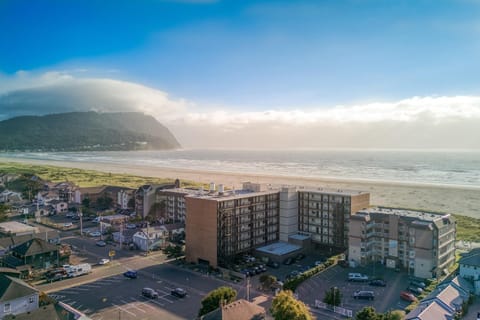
point(353, 276)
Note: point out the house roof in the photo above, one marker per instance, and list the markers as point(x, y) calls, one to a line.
point(12, 288)
point(9, 242)
point(33, 247)
point(471, 258)
point(463, 284)
point(237, 310)
point(57, 311)
point(430, 311)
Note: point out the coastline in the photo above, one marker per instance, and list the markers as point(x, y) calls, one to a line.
point(463, 200)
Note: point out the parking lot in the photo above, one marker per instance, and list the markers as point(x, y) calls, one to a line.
point(117, 297)
point(386, 298)
point(120, 298)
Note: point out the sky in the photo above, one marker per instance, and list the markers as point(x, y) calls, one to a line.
point(254, 74)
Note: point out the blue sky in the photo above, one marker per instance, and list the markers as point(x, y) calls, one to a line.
point(250, 57)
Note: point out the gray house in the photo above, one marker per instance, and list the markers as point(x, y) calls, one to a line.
point(16, 296)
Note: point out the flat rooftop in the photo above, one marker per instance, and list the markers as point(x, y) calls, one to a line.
point(299, 236)
point(231, 194)
point(279, 248)
point(14, 227)
point(416, 214)
point(332, 191)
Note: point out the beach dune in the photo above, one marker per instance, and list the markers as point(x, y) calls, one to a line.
point(442, 198)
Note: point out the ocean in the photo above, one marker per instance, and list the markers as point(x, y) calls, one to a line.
point(456, 168)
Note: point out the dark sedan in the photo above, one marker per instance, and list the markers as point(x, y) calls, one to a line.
point(378, 283)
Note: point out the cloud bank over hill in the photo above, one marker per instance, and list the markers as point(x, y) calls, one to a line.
point(417, 122)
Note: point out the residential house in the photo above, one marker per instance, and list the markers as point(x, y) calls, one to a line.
point(470, 268)
point(126, 236)
point(36, 254)
point(150, 238)
point(10, 197)
point(59, 206)
point(16, 296)
point(447, 301)
point(237, 310)
point(54, 311)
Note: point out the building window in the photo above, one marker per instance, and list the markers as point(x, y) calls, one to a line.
point(6, 307)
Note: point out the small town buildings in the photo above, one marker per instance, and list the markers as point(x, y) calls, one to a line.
point(10, 197)
point(59, 206)
point(36, 253)
point(16, 296)
point(447, 301)
point(14, 228)
point(470, 268)
point(423, 243)
point(150, 238)
point(146, 197)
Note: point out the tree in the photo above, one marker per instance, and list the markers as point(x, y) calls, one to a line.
point(333, 296)
point(131, 203)
point(86, 203)
point(394, 315)
point(104, 203)
point(267, 281)
point(368, 313)
point(212, 300)
point(286, 307)
point(4, 212)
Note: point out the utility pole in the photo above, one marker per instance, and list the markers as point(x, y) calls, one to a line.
point(80, 215)
point(248, 288)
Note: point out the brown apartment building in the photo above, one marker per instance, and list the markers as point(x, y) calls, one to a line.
point(221, 225)
point(423, 243)
point(325, 214)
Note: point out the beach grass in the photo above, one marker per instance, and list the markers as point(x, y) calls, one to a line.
point(84, 178)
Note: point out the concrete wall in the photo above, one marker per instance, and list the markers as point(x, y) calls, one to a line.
point(288, 213)
point(359, 202)
point(201, 230)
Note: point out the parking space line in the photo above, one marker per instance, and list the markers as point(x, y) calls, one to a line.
point(140, 302)
point(132, 305)
point(82, 289)
point(156, 302)
point(124, 310)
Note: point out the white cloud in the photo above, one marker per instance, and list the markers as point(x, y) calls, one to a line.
point(417, 122)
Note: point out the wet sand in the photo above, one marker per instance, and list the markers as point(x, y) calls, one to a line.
point(443, 198)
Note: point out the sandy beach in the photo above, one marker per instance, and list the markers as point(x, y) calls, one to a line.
point(450, 199)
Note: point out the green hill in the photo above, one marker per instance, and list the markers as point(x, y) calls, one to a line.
point(78, 131)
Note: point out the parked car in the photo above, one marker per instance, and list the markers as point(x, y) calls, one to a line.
point(95, 234)
point(378, 283)
point(414, 289)
point(132, 274)
point(408, 296)
point(343, 263)
point(69, 214)
point(101, 243)
point(131, 226)
point(288, 261)
point(299, 257)
point(272, 264)
point(149, 293)
point(76, 217)
point(353, 276)
point(418, 283)
point(361, 294)
point(68, 225)
point(179, 292)
point(104, 261)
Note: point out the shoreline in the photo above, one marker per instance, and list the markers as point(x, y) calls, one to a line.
point(463, 200)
